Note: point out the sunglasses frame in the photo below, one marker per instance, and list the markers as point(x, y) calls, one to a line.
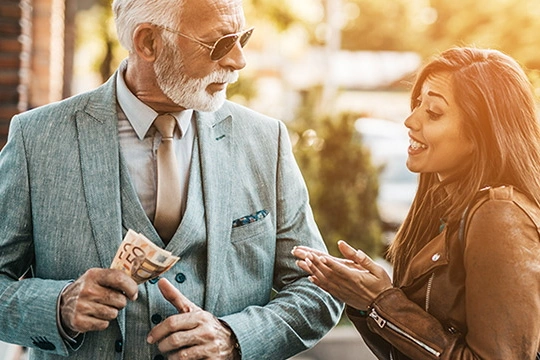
point(236, 37)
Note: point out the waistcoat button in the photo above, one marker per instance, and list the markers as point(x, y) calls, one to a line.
point(118, 345)
point(156, 319)
point(180, 278)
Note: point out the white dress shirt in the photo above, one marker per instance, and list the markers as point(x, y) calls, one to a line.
point(139, 141)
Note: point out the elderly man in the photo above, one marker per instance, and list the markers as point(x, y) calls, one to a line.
point(159, 150)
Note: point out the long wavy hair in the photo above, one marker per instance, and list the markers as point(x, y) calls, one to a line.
point(498, 104)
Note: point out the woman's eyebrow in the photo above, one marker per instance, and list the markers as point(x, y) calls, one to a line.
point(432, 93)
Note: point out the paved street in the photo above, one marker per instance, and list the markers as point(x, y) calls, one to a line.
point(342, 343)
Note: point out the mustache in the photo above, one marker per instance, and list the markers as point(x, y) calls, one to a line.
point(223, 76)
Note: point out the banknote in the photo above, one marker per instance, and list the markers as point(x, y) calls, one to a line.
point(142, 259)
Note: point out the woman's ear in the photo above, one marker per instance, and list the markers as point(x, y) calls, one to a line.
point(147, 41)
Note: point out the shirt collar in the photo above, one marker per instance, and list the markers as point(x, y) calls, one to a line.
point(140, 115)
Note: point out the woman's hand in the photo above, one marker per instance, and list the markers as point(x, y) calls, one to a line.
point(356, 280)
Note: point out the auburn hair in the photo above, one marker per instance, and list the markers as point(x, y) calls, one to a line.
point(498, 104)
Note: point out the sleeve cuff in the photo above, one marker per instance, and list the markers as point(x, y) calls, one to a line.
point(69, 339)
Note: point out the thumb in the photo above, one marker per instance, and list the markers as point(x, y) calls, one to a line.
point(358, 256)
point(175, 297)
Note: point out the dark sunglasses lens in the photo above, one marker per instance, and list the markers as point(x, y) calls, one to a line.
point(224, 45)
point(245, 37)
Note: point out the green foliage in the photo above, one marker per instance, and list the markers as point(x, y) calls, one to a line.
point(243, 90)
point(277, 12)
point(342, 181)
point(428, 27)
point(96, 38)
point(375, 25)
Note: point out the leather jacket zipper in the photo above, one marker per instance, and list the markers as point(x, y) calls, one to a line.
point(382, 323)
point(428, 291)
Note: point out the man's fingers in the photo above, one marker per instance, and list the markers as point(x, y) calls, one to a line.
point(119, 281)
point(95, 298)
point(174, 327)
point(175, 297)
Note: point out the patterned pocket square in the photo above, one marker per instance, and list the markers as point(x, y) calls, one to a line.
point(259, 215)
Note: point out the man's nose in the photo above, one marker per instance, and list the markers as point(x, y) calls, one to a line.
point(235, 59)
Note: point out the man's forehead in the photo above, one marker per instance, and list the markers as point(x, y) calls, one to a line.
point(207, 8)
point(221, 16)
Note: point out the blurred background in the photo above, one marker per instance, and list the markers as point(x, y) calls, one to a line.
point(338, 72)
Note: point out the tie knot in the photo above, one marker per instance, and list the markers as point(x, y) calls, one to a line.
point(165, 124)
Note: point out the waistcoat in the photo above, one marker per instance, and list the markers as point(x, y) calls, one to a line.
point(188, 274)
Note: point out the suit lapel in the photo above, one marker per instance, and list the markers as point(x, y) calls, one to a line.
point(193, 221)
point(216, 146)
point(99, 155)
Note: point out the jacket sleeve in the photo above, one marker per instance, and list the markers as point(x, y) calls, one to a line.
point(21, 300)
point(300, 313)
point(378, 346)
point(502, 300)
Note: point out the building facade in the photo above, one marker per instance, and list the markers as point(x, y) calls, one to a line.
point(36, 55)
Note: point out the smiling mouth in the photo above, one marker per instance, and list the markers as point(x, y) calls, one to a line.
point(415, 145)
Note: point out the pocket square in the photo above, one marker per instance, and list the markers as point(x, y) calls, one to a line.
point(259, 215)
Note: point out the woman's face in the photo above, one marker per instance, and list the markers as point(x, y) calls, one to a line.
point(437, 142)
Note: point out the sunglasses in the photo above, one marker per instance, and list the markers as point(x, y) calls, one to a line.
point(223, 45)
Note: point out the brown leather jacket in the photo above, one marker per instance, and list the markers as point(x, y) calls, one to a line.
point(475, 296)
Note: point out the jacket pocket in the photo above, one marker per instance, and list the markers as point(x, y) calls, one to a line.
point(248, 219)
point(252, 229)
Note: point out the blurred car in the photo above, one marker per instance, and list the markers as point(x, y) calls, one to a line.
point(387, 142)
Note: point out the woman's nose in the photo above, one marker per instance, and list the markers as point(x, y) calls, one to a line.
point(412, 122)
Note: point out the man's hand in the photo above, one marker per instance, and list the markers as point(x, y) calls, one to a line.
point(94, 299)
point(193, 333)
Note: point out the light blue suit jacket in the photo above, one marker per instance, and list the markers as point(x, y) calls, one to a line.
point(60, 214)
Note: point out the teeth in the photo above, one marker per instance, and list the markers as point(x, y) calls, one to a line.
point(417, 145)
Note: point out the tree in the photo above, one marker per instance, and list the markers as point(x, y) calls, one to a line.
point(376, 25)
point(428, 27)
point(341, 178)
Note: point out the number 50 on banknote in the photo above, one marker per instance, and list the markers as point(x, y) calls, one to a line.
point(142, 259)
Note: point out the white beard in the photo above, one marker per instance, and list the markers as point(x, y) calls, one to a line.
point(188, 92)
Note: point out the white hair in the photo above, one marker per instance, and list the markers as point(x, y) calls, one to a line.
point(128, 14)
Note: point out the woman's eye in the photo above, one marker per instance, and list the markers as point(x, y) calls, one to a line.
point(417, 103)
point(433, 115)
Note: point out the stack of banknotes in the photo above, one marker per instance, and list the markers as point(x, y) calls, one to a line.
point(142, 259)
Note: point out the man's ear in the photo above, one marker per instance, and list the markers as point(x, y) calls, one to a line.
point(147, 41)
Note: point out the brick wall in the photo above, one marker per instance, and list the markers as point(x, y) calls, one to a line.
point(10, 63)
point(36, 55)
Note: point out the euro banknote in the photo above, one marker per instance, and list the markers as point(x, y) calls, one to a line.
point(140, 258)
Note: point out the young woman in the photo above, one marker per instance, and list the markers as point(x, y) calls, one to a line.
point(466, 282)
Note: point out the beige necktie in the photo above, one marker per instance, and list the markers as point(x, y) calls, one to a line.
point(169, 199)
